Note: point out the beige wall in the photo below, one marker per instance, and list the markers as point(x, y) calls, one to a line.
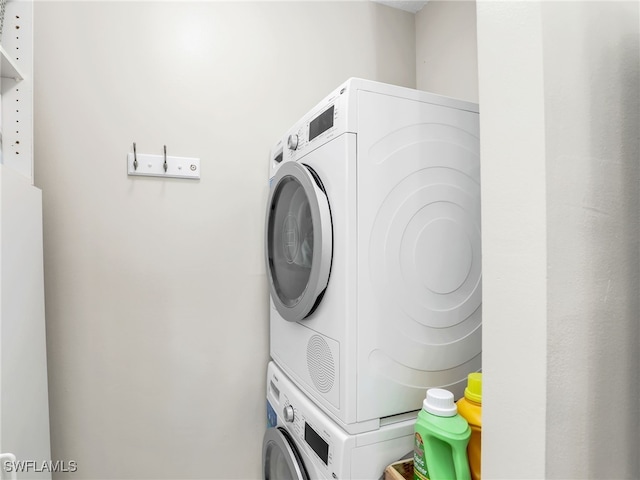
point(592, 119)
point(560, 116)
point(559, 135)
point(514, 236)
point(157, 317)
point(446, 57)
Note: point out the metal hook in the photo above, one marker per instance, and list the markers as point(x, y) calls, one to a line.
point(165, 159)
point(135, 157)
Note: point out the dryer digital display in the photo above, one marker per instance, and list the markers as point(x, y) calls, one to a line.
point(316, 442)
point(321, 123)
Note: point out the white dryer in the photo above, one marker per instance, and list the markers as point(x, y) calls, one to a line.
point(373, 250)
point(302, 443)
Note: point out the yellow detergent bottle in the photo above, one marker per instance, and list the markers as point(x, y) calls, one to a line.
point(470, 407)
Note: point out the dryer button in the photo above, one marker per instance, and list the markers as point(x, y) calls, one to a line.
point(292, 142)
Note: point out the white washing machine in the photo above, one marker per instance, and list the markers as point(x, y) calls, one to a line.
point(303, 443)
point(373, 250)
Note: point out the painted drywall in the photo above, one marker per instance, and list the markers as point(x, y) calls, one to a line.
point(559, 140)
point(156, 299)
point(513, 240)
point(592, 122)
point(24, 430)
point(446, 56)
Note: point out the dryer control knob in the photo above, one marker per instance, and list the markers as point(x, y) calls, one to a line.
point(288, 413)
point(292, 142)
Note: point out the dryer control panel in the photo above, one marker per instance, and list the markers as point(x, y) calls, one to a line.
point(327, 120)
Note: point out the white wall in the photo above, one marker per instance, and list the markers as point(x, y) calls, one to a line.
point(560, 116)
point(592, 123)
point(155, 289)
point(558, 87)
point(514, 241)
point(446, 58)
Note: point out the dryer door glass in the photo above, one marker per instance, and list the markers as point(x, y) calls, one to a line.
point(292, 241)
point(298, 241)
point(280, 458)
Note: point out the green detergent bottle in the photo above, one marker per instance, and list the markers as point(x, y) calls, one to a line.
point(441, 438)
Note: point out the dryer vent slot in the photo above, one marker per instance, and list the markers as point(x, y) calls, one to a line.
point(320, 364)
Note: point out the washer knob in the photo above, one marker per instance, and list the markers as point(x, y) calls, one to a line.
point(292, 141)
point(288, 413)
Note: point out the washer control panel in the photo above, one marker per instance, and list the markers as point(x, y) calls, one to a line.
point(305, 429)
point(314, 434)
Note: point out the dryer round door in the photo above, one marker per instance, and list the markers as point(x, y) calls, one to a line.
point(298, 241)
point(280, 458)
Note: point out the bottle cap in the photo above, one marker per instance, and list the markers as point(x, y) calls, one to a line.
point(473, 391)
point(440, 402)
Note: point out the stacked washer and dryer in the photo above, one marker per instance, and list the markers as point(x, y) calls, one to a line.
point(373, 257)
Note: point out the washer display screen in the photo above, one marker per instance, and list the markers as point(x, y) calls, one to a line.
point(316, 442)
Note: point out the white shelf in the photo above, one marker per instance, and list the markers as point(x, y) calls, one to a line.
point(16, 87)
point(8, 67)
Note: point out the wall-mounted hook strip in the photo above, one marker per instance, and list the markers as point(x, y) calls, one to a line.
point(162, 165)
point(135, 157)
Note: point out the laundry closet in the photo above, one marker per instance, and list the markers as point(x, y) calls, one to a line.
point(373, 255)
point(156, 289)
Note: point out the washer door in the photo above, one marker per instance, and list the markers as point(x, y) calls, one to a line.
point(280, 458)
point(298, 241)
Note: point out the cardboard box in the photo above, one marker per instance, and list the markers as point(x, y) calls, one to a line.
point(402, 470)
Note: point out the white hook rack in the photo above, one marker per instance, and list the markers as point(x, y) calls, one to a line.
point(162, 165)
